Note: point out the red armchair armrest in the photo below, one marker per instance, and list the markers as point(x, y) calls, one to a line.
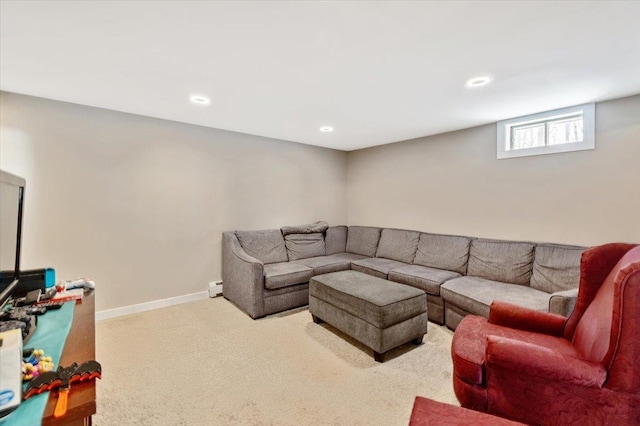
point(526, 359)
point(514, 316)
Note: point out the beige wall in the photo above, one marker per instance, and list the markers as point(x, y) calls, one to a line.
point(453, 183)
point(139, 204)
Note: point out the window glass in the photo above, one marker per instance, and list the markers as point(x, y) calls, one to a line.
point(527, 136)
point(566, 131)
point(562, 130)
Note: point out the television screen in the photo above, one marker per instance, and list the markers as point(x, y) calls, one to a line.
point(11, 204)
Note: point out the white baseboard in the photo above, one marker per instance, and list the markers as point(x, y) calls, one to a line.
point(147, 306)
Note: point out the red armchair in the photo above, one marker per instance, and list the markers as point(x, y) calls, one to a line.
point(541, 368)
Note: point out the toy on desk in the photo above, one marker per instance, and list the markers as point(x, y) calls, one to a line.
point(36, 363)
point(49, 305)
point(69, 290)
point(77, 283)
point(62, 379)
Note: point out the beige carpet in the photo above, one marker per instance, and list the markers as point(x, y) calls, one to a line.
point(207, 363)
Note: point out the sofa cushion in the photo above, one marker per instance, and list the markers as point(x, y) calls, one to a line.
point(266, 246)
point(312, 228)
point(336, 239)
point(284, 274)
point(326, 264)
point(303, 246)
point(379, 302)
point(443, 252)
point(377, 266)
point(475, 295)
point(556, 267)
point(563, 302)
point(504, 261)
point(348, 256)
point(398, 245)
point(363, 240)
point(422, 277)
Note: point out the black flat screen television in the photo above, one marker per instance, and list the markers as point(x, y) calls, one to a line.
point(11, 212)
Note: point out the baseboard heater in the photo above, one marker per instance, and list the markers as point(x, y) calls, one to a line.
point(215, 288)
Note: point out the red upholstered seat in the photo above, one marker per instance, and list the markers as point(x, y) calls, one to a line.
point(541, 368)
point(427, 412)
point(469, 346)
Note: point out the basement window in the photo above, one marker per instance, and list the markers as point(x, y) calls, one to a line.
point(561, 130)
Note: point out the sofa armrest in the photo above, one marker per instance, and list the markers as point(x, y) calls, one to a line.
point(527, 359)
point(242, 276)
point(563, 302)
point(238, 251)
point(521, 318)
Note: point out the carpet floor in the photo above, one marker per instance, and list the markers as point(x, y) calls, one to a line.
point(207, 363)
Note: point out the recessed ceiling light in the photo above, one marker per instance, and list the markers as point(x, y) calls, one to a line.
point(326, 129)
point(200, 99)
point(478, 81)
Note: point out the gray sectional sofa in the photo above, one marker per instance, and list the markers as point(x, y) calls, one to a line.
point(265, 272)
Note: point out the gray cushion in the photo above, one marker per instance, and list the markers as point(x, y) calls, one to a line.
point(312, 228)
point(348, 256)
point(336, 239)
point(303, 246)
point(377, 266)
point(422, 277)
point(266, 246)
point(443, 252)
point(285, 274)
point(504, 261)
point(376, 301)
point(398, 245)
point(556, 267)
point(563, 302)
point(363, 240)
point(326, 264)
point(475, 295)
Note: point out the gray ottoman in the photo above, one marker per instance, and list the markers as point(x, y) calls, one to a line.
point(378, 313)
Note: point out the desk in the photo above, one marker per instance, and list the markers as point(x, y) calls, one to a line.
point(79, 347)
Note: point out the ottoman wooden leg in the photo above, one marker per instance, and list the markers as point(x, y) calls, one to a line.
point(417, 340)
point(379, 357)
point(316, 319)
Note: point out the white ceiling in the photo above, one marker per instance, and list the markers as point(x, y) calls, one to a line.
point(378, 72)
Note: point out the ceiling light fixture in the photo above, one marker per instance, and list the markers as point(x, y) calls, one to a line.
point(478, 81)
point(326, 129)
point(200, 99)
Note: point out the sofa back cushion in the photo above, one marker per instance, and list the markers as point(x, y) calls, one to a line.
point(266, 246)
point(311, 228)
point(363, 240)
point(504, 261)
point(304, 246)
point(443, 252)
point(398, 245)
point(336, 240)
point(556, 267)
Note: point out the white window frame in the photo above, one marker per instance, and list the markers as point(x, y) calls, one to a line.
point(588, 142)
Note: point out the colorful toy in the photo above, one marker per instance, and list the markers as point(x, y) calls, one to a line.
point(36, 364)
point(61, 379)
